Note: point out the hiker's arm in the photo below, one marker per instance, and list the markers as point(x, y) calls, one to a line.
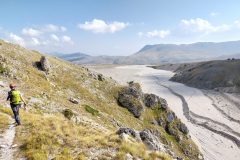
point(23, 100)
point(8, 97)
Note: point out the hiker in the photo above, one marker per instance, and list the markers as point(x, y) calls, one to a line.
point(16, 100)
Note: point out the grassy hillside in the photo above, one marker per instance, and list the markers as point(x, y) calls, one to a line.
point(56, 128)
point(220, 75)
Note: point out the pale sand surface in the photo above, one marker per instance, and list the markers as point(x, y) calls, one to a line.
point(210, 126)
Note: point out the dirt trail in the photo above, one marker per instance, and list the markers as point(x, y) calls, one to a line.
point(6, 142)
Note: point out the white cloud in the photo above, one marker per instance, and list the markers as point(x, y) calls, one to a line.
point(204, 26)
point(55, 37)
point(67, 39)
point(140, 34)
point(31, 32)
point(35, 41)
point(100, 26)
point(63, 29)
point(17, 39)
point(158, 33)
point(214, 14)
point(54, 28)
point(237, 23)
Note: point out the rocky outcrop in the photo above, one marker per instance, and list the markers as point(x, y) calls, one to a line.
point(151, 139)
point(170, 117)
point(151, 100)
point(183, 128)
point(131, 98)
point(163, 103)
point(130, 132)
point(45, 65)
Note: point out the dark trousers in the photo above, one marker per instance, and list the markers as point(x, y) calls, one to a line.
point(15, 109)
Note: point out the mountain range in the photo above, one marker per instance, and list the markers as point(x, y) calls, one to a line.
point(164, 53)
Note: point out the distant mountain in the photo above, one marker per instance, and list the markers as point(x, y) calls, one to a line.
point(82, 58)
point(236, 56)
point(172, 53)
point(74, 56)
point(164, 53)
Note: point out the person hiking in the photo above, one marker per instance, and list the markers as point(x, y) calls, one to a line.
point(16, 100)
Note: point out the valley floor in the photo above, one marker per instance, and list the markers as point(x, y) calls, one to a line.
point(212, 117)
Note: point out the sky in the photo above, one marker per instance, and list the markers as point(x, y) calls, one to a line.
point(116, 27)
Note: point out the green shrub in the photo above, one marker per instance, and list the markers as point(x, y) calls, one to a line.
point(91, 110)
point(68, 113)
point(3, 70)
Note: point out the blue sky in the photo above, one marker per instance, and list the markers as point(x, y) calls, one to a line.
point(116, 27)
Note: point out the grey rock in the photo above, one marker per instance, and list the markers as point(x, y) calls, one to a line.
point(161, 122)
point(170, 117)
point(151, 100)
point(131, 98)
point(73, 100)
point(131, 103)
point(171, 130)
point(150, 139)
point(128, 156)
point(200, 156)
point(163, 103)
point(183, 128)
point(45, 65)
point(131, 132)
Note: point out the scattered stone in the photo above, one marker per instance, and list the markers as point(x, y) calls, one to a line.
point(14, 146)
point(3, 146)
point(128, 156)
point(73, 100)
point(200, 157)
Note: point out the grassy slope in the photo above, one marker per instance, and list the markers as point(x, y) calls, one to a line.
point(210, 74)
point(46, 132)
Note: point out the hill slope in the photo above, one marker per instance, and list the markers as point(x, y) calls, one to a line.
point(74, 114)
point(221, 75)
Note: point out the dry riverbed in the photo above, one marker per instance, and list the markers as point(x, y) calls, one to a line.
point(212, 117)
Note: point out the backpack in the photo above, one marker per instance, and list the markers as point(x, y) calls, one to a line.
point(15, 97)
